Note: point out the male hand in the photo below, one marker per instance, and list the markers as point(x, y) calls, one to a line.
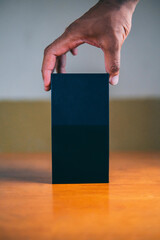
point(106, 25)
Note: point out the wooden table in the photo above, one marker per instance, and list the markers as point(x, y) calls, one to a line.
point(126, 208)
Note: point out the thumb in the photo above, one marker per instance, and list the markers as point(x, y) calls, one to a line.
point(112, 62)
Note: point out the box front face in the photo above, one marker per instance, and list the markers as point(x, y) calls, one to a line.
point(80, 128)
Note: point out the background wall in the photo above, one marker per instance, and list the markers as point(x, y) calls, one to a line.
point(27, 27)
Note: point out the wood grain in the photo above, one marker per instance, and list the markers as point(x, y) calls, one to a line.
point(126, 208)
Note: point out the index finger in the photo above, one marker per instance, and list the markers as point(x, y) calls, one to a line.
point(57, 48)
point(67, 41)
point(48, 65)
point(60, 46)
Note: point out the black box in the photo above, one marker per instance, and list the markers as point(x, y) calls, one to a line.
point(80, 128)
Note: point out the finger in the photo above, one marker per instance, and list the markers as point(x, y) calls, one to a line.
point(67, 41)
point(47, 68)
point(74, 51)
point(112, 61)
point(61, 64)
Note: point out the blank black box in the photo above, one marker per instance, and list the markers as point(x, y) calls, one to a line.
point(80, 128)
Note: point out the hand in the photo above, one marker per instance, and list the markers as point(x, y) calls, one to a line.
point(106, 25)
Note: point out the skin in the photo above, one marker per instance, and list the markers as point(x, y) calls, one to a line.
point(106, 26)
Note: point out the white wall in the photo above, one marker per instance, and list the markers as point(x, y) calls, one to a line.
point(28, 26)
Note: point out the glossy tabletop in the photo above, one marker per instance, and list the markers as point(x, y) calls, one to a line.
point(126, 208)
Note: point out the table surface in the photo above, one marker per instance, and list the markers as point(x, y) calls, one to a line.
point(126, 208)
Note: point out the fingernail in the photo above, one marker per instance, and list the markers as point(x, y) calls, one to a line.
point(114, 80)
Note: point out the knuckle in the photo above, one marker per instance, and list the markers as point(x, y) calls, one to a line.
point(127, 26)
point(46, 50)
point(72, 26)
point(114, 68)
point(74, 30)
point(49, 49)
